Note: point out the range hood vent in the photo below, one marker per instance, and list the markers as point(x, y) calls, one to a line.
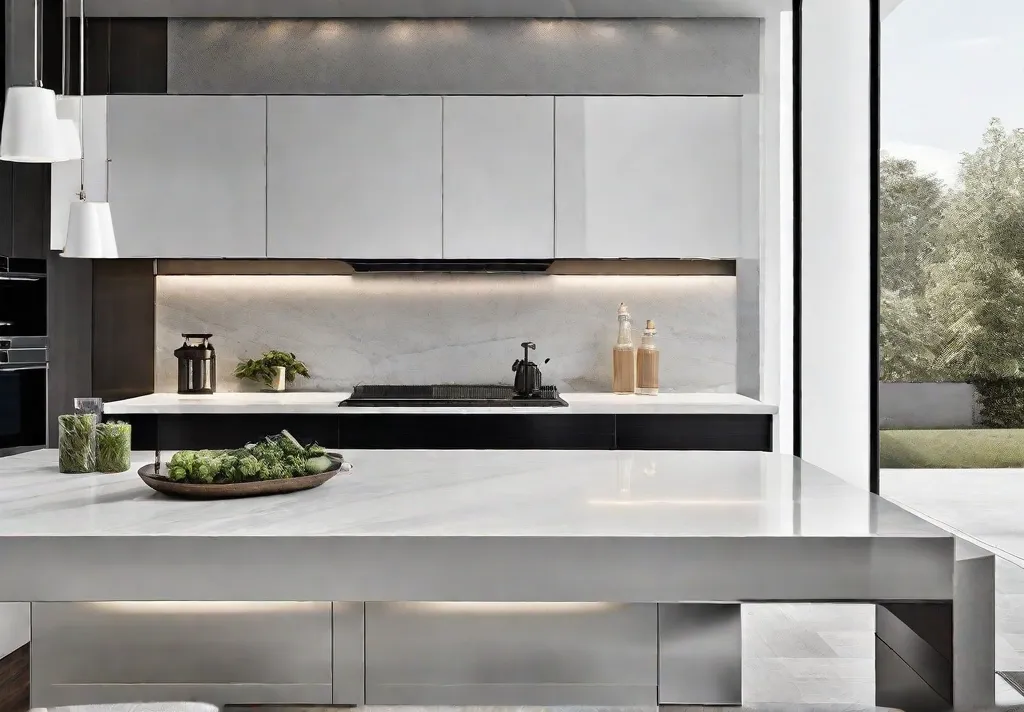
point(458, 266)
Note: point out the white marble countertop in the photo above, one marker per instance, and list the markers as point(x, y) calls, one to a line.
point(474, 525)
point(474, 493)
point(327, 403)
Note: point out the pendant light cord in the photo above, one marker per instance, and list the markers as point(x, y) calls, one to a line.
point(64, 47)
point(35, 44)
point(81, 97)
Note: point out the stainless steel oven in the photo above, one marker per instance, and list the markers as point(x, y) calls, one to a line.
point(23, 355)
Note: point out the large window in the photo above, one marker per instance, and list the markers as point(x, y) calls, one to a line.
point(951, 234)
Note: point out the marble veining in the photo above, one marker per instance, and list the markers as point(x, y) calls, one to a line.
point(437, 328)
point(436, 493)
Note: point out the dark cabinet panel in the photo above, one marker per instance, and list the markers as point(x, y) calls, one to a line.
point(123, 55)
point(693, 432)
point(478, 432)
point(373, 431)
point(231, 431)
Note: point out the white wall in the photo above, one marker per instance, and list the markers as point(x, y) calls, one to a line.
point(15, 627)
point(836, 329)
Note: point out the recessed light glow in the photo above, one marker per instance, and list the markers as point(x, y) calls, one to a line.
point(401, 31)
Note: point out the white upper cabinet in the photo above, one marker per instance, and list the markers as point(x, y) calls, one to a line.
point(499, 177)
point(187, 175)
point(355, 177)
point(648, 177)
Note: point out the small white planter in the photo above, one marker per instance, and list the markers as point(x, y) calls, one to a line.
point(279, 378)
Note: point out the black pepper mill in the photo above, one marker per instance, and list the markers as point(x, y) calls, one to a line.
point(197, 365)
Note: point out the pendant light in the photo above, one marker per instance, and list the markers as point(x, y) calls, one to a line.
point(90, 229)
point(70, 144)
point(31, 133)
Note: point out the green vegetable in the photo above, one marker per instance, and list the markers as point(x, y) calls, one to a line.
point(289, 445)
point(316, 465)
point(77, 443)
point(275, 457)
point(113, 447)
point(263, 369)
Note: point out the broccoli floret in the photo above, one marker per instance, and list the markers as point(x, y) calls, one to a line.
point(248, 468)
point(288, 444)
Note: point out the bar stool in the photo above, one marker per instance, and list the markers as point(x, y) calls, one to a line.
point(135, 707)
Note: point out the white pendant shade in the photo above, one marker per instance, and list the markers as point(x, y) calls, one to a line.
point(90, 231)
point(30, 129)
point(70, 144)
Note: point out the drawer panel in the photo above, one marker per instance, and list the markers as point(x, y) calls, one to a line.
point(237, 694)
point(511, 654)
point(190, 643)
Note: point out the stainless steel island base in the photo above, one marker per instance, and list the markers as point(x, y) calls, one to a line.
point(416, 653)
point(538, 578)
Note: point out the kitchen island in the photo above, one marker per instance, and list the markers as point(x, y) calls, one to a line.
point(476, 578)
point(590, 421)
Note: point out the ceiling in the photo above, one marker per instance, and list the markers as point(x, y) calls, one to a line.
point(432, 8)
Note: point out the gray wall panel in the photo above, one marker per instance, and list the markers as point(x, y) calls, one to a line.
point(478, 56)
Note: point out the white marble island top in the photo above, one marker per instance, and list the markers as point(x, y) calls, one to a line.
point(474, 525)
point(326, 403)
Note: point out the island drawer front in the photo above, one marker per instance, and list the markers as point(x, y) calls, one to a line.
point(194, 648)
point(511, 654)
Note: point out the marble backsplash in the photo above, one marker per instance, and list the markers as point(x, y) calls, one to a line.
point(444, 328)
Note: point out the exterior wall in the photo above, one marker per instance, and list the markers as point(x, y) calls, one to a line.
point(926, 405)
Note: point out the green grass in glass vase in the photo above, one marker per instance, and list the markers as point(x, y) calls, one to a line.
point(113, 447)
point(76, 445)
point(264, 369)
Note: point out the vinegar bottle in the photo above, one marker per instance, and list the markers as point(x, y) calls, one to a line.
point(647, 363)
point(624, 356)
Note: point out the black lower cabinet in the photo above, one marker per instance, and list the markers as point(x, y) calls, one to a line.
point(693, 432)
point(460, 432)
point(478, 432)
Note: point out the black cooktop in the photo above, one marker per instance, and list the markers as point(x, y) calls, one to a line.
point(449, 395)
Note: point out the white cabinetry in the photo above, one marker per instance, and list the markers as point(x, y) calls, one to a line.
point(355, 177)
point(187, 175)
point(648, 177)
point(499, 177)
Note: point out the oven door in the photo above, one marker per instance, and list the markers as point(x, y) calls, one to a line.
point(22, 407)
point(22, 297)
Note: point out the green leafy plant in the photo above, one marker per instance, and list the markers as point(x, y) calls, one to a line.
point(113, 447)
point(273, 458)
point(264, 369)
point(76, 444)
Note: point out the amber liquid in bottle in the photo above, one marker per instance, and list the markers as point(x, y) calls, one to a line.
point(647, 363)
point(624, 356)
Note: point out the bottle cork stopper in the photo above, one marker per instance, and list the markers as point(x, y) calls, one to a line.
point(650, 324)
point(623, 309)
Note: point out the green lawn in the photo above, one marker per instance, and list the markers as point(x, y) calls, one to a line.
point(952, 448)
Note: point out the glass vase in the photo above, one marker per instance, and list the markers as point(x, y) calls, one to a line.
point(76, 443)
point(113, 447)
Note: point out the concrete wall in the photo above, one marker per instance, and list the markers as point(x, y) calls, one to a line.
point(926, 405)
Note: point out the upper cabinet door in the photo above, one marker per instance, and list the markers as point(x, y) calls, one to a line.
point(355, 177)
point(648, 177)
point(187, 175)
point(499, 177)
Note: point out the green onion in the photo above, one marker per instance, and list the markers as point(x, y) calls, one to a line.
point(76, 448)
point(113, 447)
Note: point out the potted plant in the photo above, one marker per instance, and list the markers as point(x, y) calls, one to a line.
point(273, 369)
